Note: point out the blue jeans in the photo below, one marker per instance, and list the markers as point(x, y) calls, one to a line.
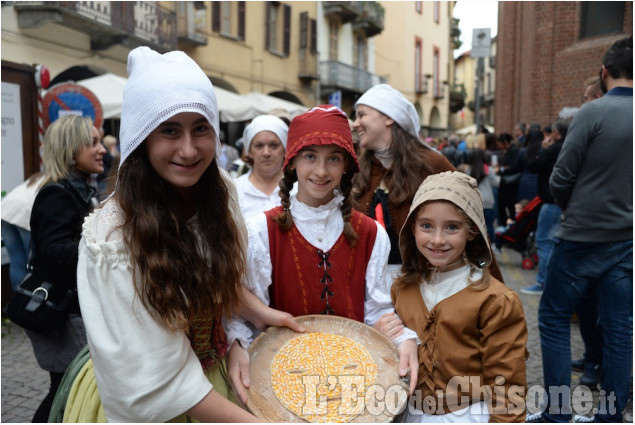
point(607, 268)
point(17, 241)
point(590, 328)
point(548, 225)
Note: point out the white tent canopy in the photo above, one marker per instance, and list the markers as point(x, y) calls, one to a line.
point(109, 91)
point(471, 129)
point(264, 103)
point(232, 107)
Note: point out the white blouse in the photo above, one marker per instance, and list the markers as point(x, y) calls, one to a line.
point(252, 201)
point(144, 371)
point(321, 226)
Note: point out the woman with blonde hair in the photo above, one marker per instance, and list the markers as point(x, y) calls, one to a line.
point(71, 152)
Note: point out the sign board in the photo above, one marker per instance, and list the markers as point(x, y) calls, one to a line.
point(335, 98)
point(12, 154)
point(481, 43)
point(70, 98)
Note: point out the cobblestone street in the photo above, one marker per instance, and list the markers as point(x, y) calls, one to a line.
point(24, 384)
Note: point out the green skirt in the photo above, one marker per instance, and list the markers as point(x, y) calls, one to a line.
point(77, 399)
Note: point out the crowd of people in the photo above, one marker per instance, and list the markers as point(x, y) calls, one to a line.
point(195, 247)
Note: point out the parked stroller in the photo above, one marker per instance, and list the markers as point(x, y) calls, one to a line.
point(521, 235)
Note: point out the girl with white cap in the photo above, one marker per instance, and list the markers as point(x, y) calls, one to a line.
point(314, 254)
point(393, 163)
point(472, 326)
point(162, 262)
point(265, 140)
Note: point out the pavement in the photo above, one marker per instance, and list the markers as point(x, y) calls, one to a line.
point(24, 384)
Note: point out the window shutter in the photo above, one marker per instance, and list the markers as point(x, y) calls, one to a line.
point(304, 16)
point(216, 16)
point(267, 25)
point(313, 36)
point(241, 20)
point(287, 30)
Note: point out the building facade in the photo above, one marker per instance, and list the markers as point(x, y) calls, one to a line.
point(414, 54)
point(546, 50)
point(347, 31)
point(465, 77)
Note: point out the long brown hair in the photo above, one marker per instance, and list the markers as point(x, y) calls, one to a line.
point(405, 174)
point(182, 270)
point(285, 220)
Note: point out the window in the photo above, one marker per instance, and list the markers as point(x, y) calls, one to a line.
point(437, 11)
point(272, 17)
point(436, 88)
point(225, 21)
point(333, 40)
point(601, 17)
point(360, 56)
point(278, 28)
point(418, 7)
point(308, 35)
point(228, 19)
point(418, 59)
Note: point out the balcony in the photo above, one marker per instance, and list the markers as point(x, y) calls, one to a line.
point(131, 24)
point(191, 23)
point(487, 99)
point(421, 84)
point(439, 92)
point(336, 75)
point(457, 98)
point(371, 18)
point(346, 10)
point(308, 65)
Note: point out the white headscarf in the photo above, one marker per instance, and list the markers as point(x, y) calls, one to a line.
point(265, 123)
point(160, 86)
point(394, 105)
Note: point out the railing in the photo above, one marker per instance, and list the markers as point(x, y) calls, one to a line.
point(421, 84)
point(346, 10)
point(308, 65)
point(108, 22)
point(439, 91)
point(341, 75)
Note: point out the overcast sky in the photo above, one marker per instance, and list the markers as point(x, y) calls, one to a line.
point(474, 14)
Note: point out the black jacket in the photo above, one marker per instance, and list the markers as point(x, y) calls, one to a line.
point(543, 164)
point(56, 228)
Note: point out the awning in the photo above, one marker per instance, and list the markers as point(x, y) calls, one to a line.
point(471, 129)
point(232, 107)
point(264, 103)
point(109, 91)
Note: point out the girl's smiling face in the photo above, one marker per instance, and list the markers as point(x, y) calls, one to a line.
point(319, 170)
point(373, 128)
point(181, 148)
point(441, 233)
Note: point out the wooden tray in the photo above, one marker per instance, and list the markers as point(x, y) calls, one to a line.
point(264, 404)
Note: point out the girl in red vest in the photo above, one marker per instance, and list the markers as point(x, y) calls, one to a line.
point(315, 254)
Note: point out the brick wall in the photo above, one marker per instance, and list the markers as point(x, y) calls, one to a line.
point(541, 61)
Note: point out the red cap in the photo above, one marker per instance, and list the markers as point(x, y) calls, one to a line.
point(322, 125)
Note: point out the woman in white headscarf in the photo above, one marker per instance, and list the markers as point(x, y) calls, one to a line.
point(265, 140)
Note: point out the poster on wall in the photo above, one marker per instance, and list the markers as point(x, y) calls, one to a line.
point(12, 158)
